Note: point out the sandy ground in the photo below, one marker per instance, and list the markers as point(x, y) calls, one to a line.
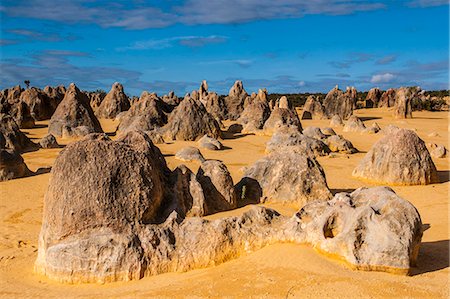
point(281, 270)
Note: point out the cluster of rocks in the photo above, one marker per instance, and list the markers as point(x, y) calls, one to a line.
point(95, 230)
point(336, 103)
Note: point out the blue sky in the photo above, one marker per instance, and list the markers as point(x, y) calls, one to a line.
point(286, 45)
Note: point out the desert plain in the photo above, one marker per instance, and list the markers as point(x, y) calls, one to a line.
point(279, 270)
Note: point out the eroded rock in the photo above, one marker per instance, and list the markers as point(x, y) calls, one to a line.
point(399, 158)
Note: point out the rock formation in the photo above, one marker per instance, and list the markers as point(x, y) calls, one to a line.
point(11, 137)
point(48, 141)
point(291, 139)
point(399, 158)
point(339, 103)
point(373, 98)
point(354, 124)
point(403, 98)
point(74, 116)
point(210, 143)
point(22, 115)
point(314, 132)
point(437, 150)
point(189, 154)
point(114, 102)
point(217, 186)
point(336, 121)
point(387, 98)
point(145, 114)
point(40, 104)
point(284, 103)
point(339, 144)
point(234, 102)
point(12, 165)
point(190, 121)
point(289, 176)
point(281, 117)
point(373, 129)
point(371, 229)
point(255, 113)
point(314, 108)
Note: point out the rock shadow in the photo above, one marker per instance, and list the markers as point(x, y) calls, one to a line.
point(444, 176)
point(365, 118)
point(235, 136)
point(433, 256)
point(248, 192)
point(336, 191)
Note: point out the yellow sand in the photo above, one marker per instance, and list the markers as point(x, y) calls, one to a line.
point(282, 270)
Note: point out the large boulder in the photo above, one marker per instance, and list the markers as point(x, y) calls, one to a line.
point(372, 98)
point(210, 143)
point(234, 102)
point(387, 98)
point(12, 165)
point(217, 185)
point(339, 103)
point(48, 141)
point(11, 136)
point(190, 121)
point(371, 229)
point(339, 144)
point(95, 98)
point(281, 117)
point(336, 121)
point(22, 115)
point(354, 124)
point(255, 113)
point(188, 154)
point(290, 177)
point(114, 102)
point(314, 132)
point(399, 158)
point(145, 114)
point(74, 116)
point(40, 104)
point(188, 198)
point(290, 138)
point(403, 99)
point(99, 192)
point(314, 108)
point(215, 105)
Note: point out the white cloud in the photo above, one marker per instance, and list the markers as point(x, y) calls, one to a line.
point(382, 78)
point(187, 41)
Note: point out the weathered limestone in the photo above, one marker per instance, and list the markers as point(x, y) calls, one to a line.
point(255, 113)
point(336, 121)
point(289, 176)
point(11, 136)
point(313, 108)
point(114, 102)
point(189, 154)
point(234, 102)
point(387, 98)
point(281, 117)
point(217, 185)
point(210, 143)
point(290, 138)
point(314, 132)
point(403, 98)
point(371, 229)
point(437, 150)
point(354, 124)
point(339, 144)
point(190, 121)
point(399, 158)
point(74, 116)
point(48, 141)
point(339, 103)
point(12, 165)
point(373, 98)
point(145, 114)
